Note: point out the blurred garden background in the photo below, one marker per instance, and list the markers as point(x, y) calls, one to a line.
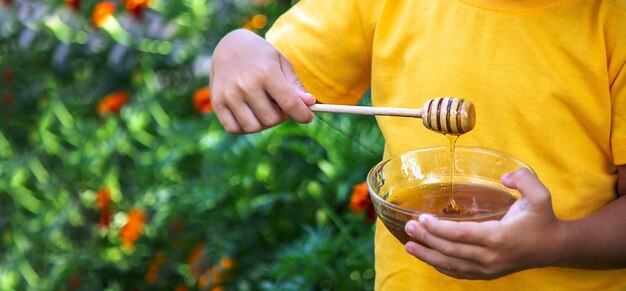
point(116, 175)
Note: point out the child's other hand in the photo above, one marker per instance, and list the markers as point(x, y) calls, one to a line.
point(528, 236)
point(253, 86)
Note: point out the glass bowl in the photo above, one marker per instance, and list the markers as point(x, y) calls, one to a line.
point(417, 182)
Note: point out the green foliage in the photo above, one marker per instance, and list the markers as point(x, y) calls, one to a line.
point(267, 211)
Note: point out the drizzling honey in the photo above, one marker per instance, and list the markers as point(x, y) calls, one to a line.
point(452, 117)
point(452, 208)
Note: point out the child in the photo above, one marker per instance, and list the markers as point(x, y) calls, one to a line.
point(548, 79)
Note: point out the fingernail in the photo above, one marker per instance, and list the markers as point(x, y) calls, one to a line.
point(422, 219)
point(506, 175)
point(409, 227)
point(303, 94)
point(409, 250)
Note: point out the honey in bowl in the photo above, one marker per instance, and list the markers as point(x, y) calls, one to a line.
point(473, 201)
point(417, 182)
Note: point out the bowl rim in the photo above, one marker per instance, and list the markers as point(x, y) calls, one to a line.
point(441, 216)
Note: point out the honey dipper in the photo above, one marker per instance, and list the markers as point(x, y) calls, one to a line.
point(447, 115)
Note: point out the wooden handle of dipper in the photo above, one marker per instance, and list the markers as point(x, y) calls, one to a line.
point(446, 115)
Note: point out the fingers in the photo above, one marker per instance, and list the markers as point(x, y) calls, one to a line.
point(289, 102)
point(246, 118)
point(249, 115)
point(463, 240)
point(254, 101)
point(458, 256)
point(308, 98)
point(437, 231)
point(292, 78)
point(286, 89)
point(290, 73)
point(227, 119)
point(265, 110)
point(447, 247)
point(457, 268)
point(529, 185)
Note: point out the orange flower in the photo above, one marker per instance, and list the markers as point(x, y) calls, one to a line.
point(360, 197)
point(131, 231)
point(155, 267)
point(256, 23)
point(194, 261)
point(136, 7)
point(103, 200)
point(227, 263)
point(75, 4)
point(105, 217)
point(217, 275)
point(211, 277)
point(113, 102)
point(102, 12)
point(202, 100)
point(181, 288)
point(361, 201)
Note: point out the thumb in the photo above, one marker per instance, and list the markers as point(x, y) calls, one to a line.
point(292, 78)
point(527, 183)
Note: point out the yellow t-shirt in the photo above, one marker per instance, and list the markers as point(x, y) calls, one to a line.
point(547, 77)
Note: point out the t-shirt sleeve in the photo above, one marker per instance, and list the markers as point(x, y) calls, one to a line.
point(616, 50)
point(618, 126)
point(329, 43)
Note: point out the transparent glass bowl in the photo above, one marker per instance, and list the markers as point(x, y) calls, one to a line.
point(418, 182)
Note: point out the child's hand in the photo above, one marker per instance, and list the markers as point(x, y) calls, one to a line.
point(528, 236)
point(253, 86)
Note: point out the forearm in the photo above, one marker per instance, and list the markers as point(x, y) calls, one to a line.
point(597, 241)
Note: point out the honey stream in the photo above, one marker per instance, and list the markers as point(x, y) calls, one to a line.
point(453, 207)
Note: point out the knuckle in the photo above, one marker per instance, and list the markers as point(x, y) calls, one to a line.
point(450, 267)
point(233, 129)
point(297, 83)
point(252, 128)
point(490, 260)
point(231, 94)
point(218, 101)
point(218, 104)
point(523, 172)
point(262, 70)
point(460, 234)
point(270, 119)
point(544, 195)
point(289, 104)
point(496, 239)
point(544, 198)
point(451, 250)
point(243, 87)
point(489, 273)
point(423, 236)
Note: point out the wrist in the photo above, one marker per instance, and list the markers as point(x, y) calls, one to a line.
point(561, 244)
